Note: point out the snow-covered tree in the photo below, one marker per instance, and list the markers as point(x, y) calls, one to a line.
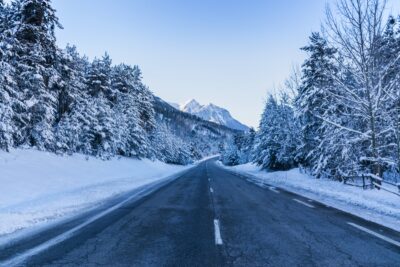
point(35, 59)
point(9, 95)
point(145, 97)
point(102, 132)
point(73, 103)
point(98, 79)
point(229, 155)
point(313, 99)
point(72, 68)
point(131, 136)
point(169, 148)
point(267, 146)
point(74, 132)
point(360, 95)
point(277, 139)
point(239, 149)
point(390, 64)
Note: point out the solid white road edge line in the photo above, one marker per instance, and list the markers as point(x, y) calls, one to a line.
point(387, 239)
point(304, 203)
point(217, 232)
point(21, 258)
point(273, 189)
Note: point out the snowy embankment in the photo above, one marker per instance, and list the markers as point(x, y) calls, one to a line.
point(39, 187)
point(373, 205)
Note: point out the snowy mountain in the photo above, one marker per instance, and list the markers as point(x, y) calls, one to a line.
point(211, 113)
point(201, 137)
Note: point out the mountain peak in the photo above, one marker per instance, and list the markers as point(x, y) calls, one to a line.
point(192, 102)
point(212, 112)
point(191, 106)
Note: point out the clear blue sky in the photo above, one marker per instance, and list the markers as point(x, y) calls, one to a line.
point(228, 52)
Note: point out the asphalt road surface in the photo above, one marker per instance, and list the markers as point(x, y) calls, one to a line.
point(210, 217)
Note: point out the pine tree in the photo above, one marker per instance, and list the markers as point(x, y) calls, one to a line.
point(72, 68)
point(170, 148)
point(98, 79)
point(131, 136)
point(267, 146)
point(313, 98)
point(8, 95)
point(290, 132)
point(145, 101)
point(146, 110)
point(36, 55)
point(230, 156)
point(73, 103)
point(389, 64)
point(102, 129)
point(238, 150)
point(277, 139)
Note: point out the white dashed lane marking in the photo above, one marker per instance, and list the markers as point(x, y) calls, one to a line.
point(303, 203)
point(387, 239)
point(217, 232)
point(273, 189)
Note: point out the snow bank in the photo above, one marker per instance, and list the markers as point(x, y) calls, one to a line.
point(37, 187)
point(373, 205)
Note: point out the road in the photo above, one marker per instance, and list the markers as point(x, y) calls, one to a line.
point(211, 217)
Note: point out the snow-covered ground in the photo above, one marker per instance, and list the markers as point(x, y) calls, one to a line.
point(39, 187)
point(377, 206)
